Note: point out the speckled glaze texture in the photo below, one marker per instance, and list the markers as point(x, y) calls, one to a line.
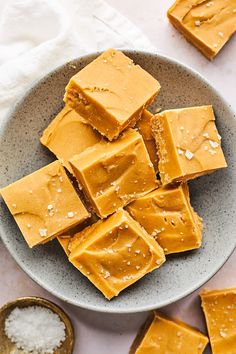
point(213, 196)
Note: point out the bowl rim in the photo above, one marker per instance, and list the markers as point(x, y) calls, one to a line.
point(38, 281)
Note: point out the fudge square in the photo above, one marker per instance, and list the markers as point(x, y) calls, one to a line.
point(162, 335)
point(144, 127)
point(68, 135)
point(44, 204)
point(115, 253)
point(188, 143)
point(167, 215)
point(112, 174)
point(111, 92)
point(219, 307)
point(206, 24)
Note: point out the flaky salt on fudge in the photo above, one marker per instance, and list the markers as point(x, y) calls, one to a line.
point(188, 143)
point(44, 204)
point(207, 24)
point(111, 92)
point(112, 174)
point(162, 335)
point(219, 307)
point(114, 253)
point(167, 215)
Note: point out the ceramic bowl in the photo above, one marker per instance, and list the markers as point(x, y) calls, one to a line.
point(212, 196)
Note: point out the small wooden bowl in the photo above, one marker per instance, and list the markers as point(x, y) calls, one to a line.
point(7, 347)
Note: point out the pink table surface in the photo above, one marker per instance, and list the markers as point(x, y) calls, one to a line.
point(98, 333)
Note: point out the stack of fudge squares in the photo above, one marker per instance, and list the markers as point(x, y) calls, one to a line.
point(131, 168)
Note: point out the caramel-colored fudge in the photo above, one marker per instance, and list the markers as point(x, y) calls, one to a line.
point(111, 92)
point(206, 24)
point(115, 253)
point(64, 242)
point(219, 307)
point(144, 127)
point(188, 143)
point(161, 335)
point(68, 135)
point(112, 174)
point(167, 215)
point(44, 204)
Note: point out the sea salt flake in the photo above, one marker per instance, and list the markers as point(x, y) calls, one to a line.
point(43, 232)
point(70, 214)
point(50, 206)
point(197, 23)
point(212, 152)
point(107, 274)
point(180, 152)
point(222, 333)
point(137, 267)
point(221, 34)
point(137, 251)
point(14, 205)
point(189, 154)
point(213, 144)
point(205, 135)
point(59, 190)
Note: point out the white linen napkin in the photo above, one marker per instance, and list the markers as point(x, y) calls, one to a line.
point(38, 35)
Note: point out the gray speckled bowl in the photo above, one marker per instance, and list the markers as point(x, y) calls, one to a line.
point(213, 196)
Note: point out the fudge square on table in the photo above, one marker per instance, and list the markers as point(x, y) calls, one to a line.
point(112, 174)
point(44, 204)
point(114, 253)
point(206, 24)
point(167, 215)
point(111, 92)
point(219, 307)
point(188, 143)
point(161, 335)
